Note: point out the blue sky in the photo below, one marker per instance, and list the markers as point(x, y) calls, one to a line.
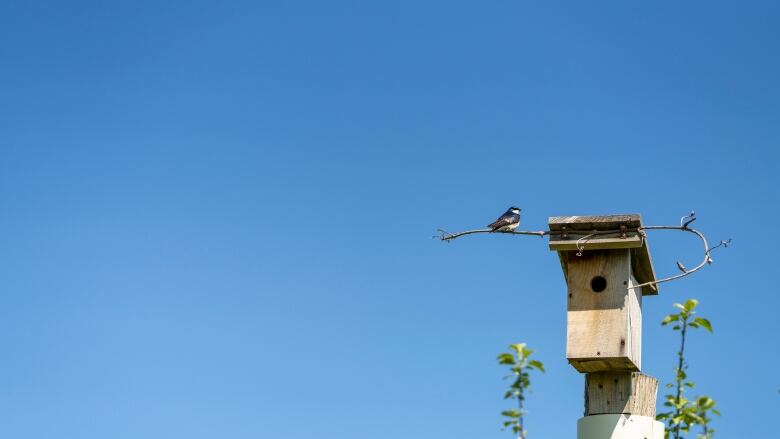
point(218, 215)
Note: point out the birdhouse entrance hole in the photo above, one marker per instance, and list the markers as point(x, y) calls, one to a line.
point(598, 284)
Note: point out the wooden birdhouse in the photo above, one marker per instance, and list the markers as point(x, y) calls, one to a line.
point(602, 258)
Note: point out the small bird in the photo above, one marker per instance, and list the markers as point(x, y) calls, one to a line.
point(681, 267)
point(506, 222)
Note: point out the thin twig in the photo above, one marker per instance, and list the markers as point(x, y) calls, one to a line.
point(707, 251)
point(680, 370)
point(447, 236)
point(580, 243)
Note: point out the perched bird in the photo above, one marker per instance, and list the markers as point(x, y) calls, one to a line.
point(506, 222)
point(681, 267)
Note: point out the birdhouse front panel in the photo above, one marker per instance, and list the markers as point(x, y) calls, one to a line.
point(604, 315)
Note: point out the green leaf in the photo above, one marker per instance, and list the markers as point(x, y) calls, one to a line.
point(705, 402)
point(518, 347)
point(680, 307)
point(704, 323)
point(511, 413)
point(535, 364)
point(690, 304)
point(506, 358)
point(670, 318)
point(693, 418)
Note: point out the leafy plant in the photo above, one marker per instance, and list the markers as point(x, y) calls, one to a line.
point(520, 364)
point(686, 413)
point(704, 406)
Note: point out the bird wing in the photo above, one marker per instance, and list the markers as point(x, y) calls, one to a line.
point(502, 221)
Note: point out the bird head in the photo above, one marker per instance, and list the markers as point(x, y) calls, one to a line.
point(515, 210)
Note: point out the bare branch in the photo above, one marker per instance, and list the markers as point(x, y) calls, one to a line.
point(687, 272)
point(581, 241)
point(684, 223)
point(447, 236)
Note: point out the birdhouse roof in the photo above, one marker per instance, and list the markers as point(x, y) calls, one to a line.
point(575, 233)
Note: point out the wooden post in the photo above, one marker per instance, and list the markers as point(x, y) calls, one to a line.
point(602, 258)
point(620, 393)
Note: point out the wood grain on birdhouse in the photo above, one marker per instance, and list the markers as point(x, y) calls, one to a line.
point(604, 315)
point(620, 392)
